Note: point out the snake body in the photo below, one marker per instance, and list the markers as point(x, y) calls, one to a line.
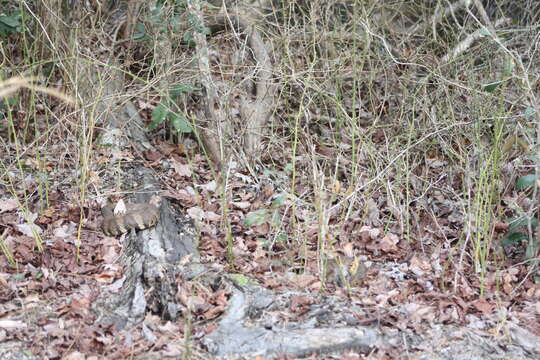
point(137, 216)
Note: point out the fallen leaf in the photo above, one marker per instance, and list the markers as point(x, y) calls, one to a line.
point(66, 230)
point(419, 266)
point(243, 205)
point(75, 356)
point(26, 229)
point(181, 169)
point(211, 186)
point(152, 155)
point(196, 213)
point(389, 243)
point(483, 306)
point(183, 195)
point(211, 216)
point(8, 205)
point(173, 350)
point(12, 324)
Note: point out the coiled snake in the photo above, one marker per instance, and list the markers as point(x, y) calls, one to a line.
point(137, 216)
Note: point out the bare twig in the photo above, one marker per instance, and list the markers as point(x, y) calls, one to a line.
point(254, 112)
point(439, 15)
point(12, 85)
point(484, 16)
point(467, 42)
point(210, 100)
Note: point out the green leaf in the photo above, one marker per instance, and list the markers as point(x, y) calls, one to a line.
point(513, 238)
point(158, 116)
point(264, 242)
point(203, 30)
point(11, 21)
point(509, 66)
point(282, 238)
point(528, 113)
point(276, 219)
point(158, 9)
point(484, 32)
point(257, 217)
point(182, 89)
point(531, 250)
point(10, 24)
point(140, 32)
point(179, 122)
point(175, 20)
point(279, 201)
point(526, 181)
point(492, 86)
point(520, 222)
point(242, 280)
point(154, 19)
point(533, 157)
point(188, 36)
point(4, 103)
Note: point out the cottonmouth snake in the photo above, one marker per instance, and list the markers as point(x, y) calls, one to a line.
point(137, 216)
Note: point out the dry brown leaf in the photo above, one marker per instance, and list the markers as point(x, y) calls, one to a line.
point(183, 195)
point(389, 243)
point(212, 216)
point(483, 306)
point(106, 277)
point(8, 205)
point(196, 213)
point(300, 304)
point(173, 349)
point(152, 155)
point(419, 266)
point(111, 255)
point(26, 229)
point(210, 187)
point(75, 356)
point(243, 205)
point(183, 170)
point(12, 324)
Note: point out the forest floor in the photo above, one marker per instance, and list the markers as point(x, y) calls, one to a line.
point(408, 161)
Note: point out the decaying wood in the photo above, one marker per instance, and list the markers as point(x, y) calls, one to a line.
point(265, 336)
point(150, 260)
point(150, 257)
point(212, 127)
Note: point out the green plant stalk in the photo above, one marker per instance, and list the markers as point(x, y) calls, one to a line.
point(226, 219)
point(322, 219)
point(353, 123)
point(485, 200)
point(86, 139)
point(534, 237)
point(294, 146)
point(43, 183)
point(6, 251)
point(37, 238)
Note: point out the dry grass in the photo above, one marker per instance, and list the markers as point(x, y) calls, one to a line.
point(381, 120)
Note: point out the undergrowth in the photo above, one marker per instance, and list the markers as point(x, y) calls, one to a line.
point(375, 126)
